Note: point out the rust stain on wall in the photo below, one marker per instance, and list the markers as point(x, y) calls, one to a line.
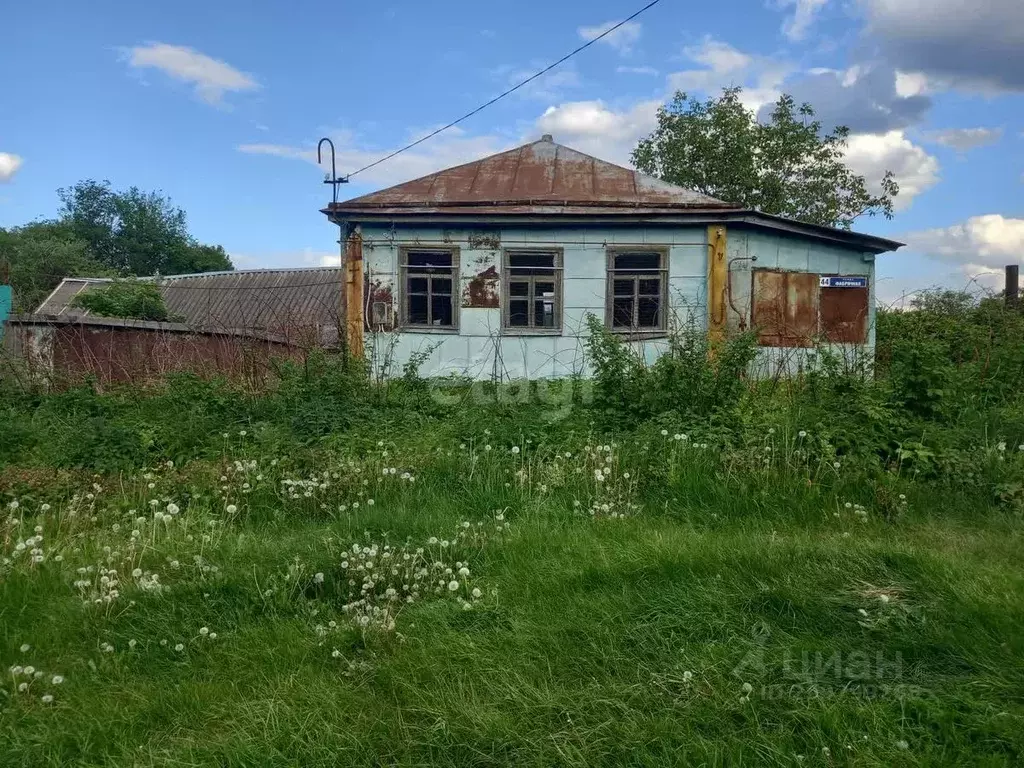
point(380, 300)
point(487, 239)
point(481, 292)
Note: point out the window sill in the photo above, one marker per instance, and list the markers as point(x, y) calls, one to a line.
point(531, 331)
point(630, 335)
point(427, 330)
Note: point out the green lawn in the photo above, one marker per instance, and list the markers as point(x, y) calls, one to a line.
point(726, 617)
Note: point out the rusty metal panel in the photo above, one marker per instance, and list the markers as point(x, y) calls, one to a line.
point(844, 315)
point(785, 307)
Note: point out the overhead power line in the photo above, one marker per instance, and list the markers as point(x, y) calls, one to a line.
point(502, 95)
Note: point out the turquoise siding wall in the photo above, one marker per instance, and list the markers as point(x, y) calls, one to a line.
point(481, 351)
point(6, 300)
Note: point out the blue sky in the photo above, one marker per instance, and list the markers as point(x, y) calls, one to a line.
point(220, 104)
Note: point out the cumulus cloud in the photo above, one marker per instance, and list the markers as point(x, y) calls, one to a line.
point(981, 242)
point(965, 139)
point(723, 66)
point(863, 98)
point(453, 147)
point(622, 39)
point(804, 11)
point(977, 46)
point(211, 78)
point(872, 155)
point(597, 129)
point(9, 165)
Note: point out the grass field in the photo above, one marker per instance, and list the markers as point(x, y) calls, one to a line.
point(451, 596)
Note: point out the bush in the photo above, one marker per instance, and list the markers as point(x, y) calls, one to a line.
point(130, 298)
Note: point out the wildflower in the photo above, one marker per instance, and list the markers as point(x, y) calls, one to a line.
point(862, 612)
point(664, 433)
point(47, 698)
point(801, 433)
point(487, 447)
point(44, 508)
point(1001, 446)
point(318, 578)
point(901, 744)
point(172, 508)
point(453, 586)
point(477, 594)
point(13, 505)
point(677, 436)
point(242, 433)
point(231, 509)
point(687, 676)
point(57, 680)
point(836, 465)
point(515, 449)
point(179, 647)
point(16, 670)
point(25, 648)
point(132, 643)
point(29, 670)
point(463, 571)
point(883, 598)
point(747, 687)
point(137, 573)
point(213, 635)
point(22, 687)
point(335, 654)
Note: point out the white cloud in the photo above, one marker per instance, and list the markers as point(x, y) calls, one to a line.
point(871, 155)
point(795, 26)
point(622, 39)
point(295, 259)
point(453, 147)
point(9, 165)
point(637, 70)
point(911, 84)
point(986, 242)
point(725, 66)
point(964, 139)
point(212, 78)
point(595, 128)
point(548, 87)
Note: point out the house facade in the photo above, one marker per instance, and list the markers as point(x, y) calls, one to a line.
point(491, 269)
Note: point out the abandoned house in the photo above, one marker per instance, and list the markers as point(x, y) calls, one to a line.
point(490, 269)
point(219, 322)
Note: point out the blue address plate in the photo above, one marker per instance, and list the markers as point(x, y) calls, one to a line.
point(843, 282)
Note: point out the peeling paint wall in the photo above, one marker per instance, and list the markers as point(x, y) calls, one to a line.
point(479, 349)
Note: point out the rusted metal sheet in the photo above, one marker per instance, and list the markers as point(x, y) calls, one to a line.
point(530, 179)
point(844, 315)
point(140, 352)
point(354, 321)
point(785, 307)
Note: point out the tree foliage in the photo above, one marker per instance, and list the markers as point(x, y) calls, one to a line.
point(136, 232)
point(38, 256)
point(102, 232)
point(785, 166)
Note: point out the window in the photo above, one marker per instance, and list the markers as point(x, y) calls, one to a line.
point(430, 287)
point(637, 283)
point(533, 291)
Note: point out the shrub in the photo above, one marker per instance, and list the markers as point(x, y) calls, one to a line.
point(130, 298)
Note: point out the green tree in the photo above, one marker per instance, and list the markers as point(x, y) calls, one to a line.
point(135, 232)
point(785, 166)
point(37, 256)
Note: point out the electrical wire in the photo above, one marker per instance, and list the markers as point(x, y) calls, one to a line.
point(502, 95)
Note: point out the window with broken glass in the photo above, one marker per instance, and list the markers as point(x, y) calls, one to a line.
point(430, 282)
point(637, 289)
point(533, 291)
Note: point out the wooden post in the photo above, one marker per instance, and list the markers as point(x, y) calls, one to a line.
point(1012, 293)
point(353, 272)
point(717, 276)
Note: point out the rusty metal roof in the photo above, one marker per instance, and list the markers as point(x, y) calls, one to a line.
point(538, 178)
point(265, 299)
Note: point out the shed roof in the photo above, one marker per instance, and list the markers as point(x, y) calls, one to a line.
point(264, 299)
point(529, 179)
